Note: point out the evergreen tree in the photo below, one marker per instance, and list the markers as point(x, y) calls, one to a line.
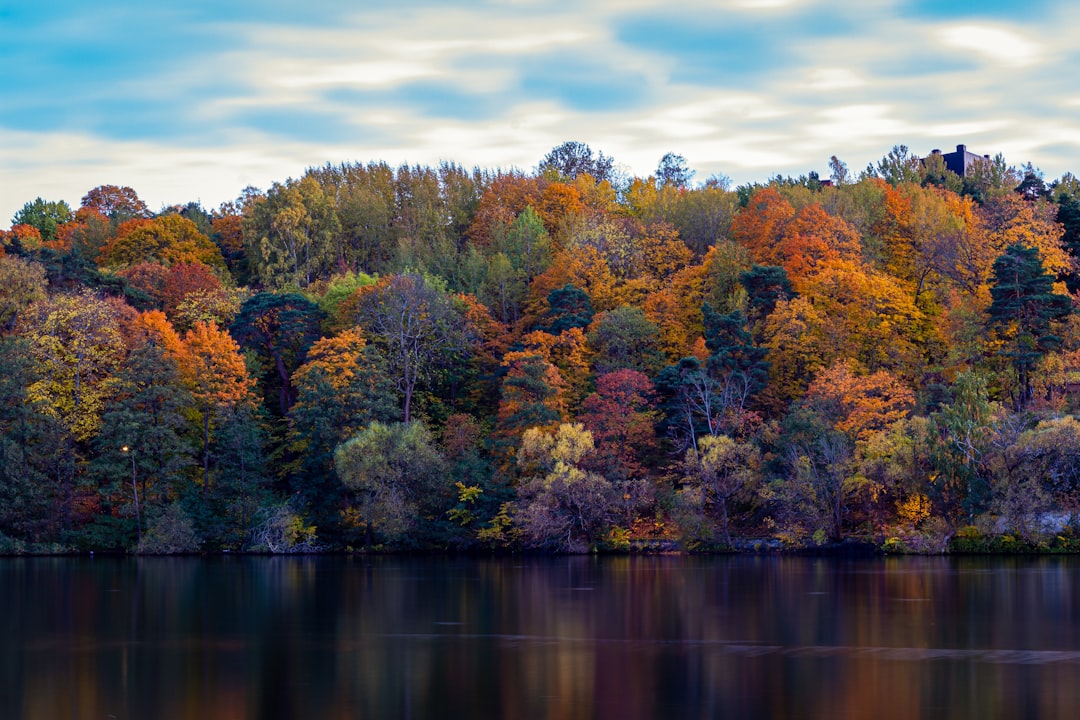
point(141, 451)
point(569, 307)
point(1023, 308)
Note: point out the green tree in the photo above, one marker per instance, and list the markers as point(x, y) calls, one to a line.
point(419, 331)
point(568, 307)
point(46, 216)
point(625, 338)
point(1023, 310)
point(291, 235)
point(960, 436)
point(398, 478)
point(719, 471)
point(341, 388)
point(32, 443)
point(279, 328)
point(141, 449)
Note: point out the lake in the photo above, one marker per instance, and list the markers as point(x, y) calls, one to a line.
point(553, 638)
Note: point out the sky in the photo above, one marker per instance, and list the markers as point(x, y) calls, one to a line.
point(196, 100)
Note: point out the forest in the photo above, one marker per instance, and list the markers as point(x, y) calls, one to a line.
point(371, 358)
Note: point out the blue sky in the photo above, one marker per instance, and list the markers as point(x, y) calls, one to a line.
point(196, 100)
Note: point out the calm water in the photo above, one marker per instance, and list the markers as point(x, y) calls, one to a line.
point(654, 637)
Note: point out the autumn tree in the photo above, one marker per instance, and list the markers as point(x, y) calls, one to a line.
point(214, 372)
point(622, 420)
point(341, 387)
point(167, 239)
point(561, 505)
point(118, 203)
point(718, 471)
point(77, 341)
point(22, 282)
point(532, 394)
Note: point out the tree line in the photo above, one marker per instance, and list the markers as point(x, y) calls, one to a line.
point(562, 359)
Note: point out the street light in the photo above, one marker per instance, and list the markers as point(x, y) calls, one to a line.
point(134, 491)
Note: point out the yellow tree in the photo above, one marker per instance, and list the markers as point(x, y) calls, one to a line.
point(78, 344)
point(167, 239)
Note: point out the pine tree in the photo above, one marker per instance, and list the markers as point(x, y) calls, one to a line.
point(1024, 307)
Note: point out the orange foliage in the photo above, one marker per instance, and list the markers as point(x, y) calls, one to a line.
point(153, 327)
point(502, 201)
point(860, 405)
point(213, 369)
point(28, 237)
point(167, 239)
point(557, 201)
point(584, 268)
point(761, 223)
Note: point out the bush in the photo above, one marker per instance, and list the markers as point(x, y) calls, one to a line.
point(170, 533)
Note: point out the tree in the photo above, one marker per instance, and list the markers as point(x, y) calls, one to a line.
point(838, 171)
point(562, 506)
point(672, 171)
point(279, 328)
point(859, 405)
point(765, 286)
point(721, 469)
point(734, 353)
point(622, 421)
point(167, 239)
point(821, 484)
point(46, 216)
point(960, 435)
point(141, 443)
point(214, 372)
point(22, 282)
point(1024, 307)
point(532, 395)
point(419, 331)
point(568, 307)
point(116, 203)
point(341, 387)
point(290, 235)
point(625, 338)
point(573, 159)
point(397, 476)
point(899, 166)
point(34, 472)
point(77, 341)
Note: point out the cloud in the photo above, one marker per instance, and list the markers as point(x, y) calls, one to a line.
point(201, 99)
point(995, 44)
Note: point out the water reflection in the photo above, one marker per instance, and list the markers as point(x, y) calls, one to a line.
point(557, 638)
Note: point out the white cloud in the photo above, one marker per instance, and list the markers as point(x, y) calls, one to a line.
point(999, 45)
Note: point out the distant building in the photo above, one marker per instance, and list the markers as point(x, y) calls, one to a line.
point(961, 161)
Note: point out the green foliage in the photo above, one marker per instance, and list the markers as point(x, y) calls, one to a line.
point(44, 215)
point(1022, 312)
point(170, 533)
point(397, 478)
